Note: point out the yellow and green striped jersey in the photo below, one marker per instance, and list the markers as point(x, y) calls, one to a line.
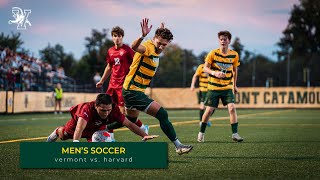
point(203, 78)
point(142, 69)
point(225, 63)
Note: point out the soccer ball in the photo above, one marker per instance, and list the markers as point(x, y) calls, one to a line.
point(101, 136)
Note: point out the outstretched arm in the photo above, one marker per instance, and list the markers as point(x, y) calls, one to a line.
point(134, 128)
point(81, 124)
point(145, 31)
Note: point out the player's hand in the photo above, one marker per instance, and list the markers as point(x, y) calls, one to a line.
point(99, 84)
point(192, 88)
point(235, 89)
point(219, 74)
point(145, 138)
point(144, 27)
point(162, 25)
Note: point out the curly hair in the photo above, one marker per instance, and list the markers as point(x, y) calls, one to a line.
point(117, 30)
point(164, 33)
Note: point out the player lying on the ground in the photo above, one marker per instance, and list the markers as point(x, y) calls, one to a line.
point(89, 117)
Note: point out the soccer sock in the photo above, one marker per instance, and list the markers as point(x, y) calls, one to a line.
point(177, 143)
point(234, 128)
point(203, 127)
point(201, 113)
point(138, 123)
point(165, 124)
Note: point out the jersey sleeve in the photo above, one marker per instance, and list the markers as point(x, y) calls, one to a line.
point(148, 48)
point(236, 62)
point(210, 57)
point(199, 70)
point(108, 58)
point(85, 112)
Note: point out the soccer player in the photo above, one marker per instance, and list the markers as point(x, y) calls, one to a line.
point(89, 117)
point(119, 59)
point(222, 66)
point(57, 93)
point(142, 70)
point(203, 89)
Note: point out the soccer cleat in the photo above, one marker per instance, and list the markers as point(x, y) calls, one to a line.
point(53, 136)
point(146, 129)
point(200, 137)
point(236, 137)
point(183, 149)
point(112, 137)
point(209, 124)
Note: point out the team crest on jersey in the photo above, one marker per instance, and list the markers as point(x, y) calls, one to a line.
point(116, 61)
point(121, 53)
point(155, 59)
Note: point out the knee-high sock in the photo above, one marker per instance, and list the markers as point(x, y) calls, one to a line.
point(165, 124)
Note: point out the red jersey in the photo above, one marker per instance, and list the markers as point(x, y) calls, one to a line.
point(120, 61)
point(94, 122)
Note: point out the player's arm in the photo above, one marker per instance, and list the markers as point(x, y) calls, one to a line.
point(136, 45)
point(235, 77)
point(194, 80)
point(217, 74)
point(134, 128)
point(106, 74)
point(81, 124)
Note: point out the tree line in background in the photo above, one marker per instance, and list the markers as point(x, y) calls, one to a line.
point(297, 64)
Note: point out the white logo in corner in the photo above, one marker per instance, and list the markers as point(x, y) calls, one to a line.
point(21, 18)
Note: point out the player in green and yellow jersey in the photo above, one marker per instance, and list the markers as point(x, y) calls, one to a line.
point(203, 88)
point(222, 66)
point(143, 68)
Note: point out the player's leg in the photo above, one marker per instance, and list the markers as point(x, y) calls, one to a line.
point(59, 132)
point(59, 105)
point(202, 96)
point(136, 100)
point(155, 110)
point(211, 103)
point(121, 104)
point(228, 99)
point(55, 105)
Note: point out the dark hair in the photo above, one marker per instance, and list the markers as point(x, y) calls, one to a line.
point(117, 30)
point(103, 99)
point(164, 33)
point(225, 33)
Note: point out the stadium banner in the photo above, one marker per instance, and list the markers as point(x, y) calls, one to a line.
point(148, 155)
point(172, 98)
point(3, 101)
point(255, 97)
point(45, 102)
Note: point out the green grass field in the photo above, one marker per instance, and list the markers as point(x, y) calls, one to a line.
point(279, 144)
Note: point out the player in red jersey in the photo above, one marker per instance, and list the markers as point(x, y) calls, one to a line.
point(89, 117)
point(119, 59)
